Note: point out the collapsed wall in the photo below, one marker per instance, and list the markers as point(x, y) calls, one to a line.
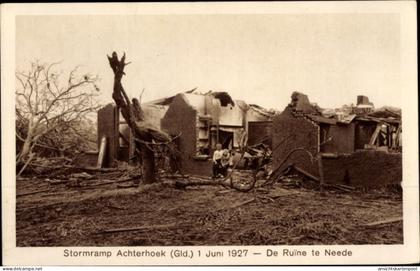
point(363, 168)
point(291, 131)
point(181, 117)
point(301, 126)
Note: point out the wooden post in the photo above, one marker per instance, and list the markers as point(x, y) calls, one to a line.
point(102, 151)
point(321, 173)
point(375, 134)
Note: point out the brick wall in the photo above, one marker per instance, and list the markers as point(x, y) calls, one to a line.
point(260, 131)
point(290, 132)
point(364, 168)
point(181, 117)
point(363, 133)
point(342, 139)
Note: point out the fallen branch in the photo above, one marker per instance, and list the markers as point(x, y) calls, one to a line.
point(144, 133)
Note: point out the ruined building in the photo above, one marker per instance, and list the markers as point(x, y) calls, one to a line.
point(201, 120)
point(355, 149)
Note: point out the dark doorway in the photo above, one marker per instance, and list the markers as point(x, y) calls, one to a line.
point(226, 139)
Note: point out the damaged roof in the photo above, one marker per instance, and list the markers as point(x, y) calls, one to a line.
point(197, 100)
point(300, 104)
point(262, 110)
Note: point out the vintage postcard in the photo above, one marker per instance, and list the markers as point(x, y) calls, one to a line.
point(246, 133)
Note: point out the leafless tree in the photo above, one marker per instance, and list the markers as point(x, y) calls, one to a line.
point(47, 105)
point(145, 134)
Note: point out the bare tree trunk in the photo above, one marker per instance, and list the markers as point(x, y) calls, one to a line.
point(27, 145)
point(25, 149)
point(148, 165)
point(133, 116)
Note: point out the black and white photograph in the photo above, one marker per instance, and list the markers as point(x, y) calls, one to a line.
point(211, 129)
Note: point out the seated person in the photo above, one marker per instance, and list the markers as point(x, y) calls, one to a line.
point(225, 163)
point(217, 160)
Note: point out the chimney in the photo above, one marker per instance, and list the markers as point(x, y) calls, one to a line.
point(361, 99)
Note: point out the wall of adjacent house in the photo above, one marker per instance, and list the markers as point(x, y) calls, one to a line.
point(291, 132)
point(154, 113)
point(181, 117)
point(363, 168)
point(260, 132)
point(230, 115)
point(342, 138)
point(363, 133)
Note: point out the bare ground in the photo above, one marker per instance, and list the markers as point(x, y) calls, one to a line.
point(81, 212)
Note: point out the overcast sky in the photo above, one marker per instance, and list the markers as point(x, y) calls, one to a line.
point(261, 59)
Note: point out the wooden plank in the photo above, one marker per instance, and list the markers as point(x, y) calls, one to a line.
point(382, 222)
point(304, 172)
point(347, 186)
point(397, 136)
point(102, 151)
point(375, 134)
point(337, 186)
point(141, 228)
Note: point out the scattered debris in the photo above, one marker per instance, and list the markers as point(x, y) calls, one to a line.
point(338, 152)
point(156, 214)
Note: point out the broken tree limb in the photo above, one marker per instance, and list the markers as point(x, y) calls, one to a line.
point(132, 113)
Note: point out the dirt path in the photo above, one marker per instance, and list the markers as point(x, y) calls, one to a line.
point(59, 215)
